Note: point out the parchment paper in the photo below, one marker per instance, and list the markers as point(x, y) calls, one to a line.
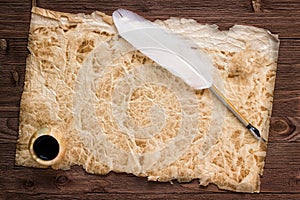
point(119, 111)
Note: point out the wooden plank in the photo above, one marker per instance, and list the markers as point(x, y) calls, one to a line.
point(15, 51)
point(286, 103)
point(106, 196)
point(287, 77)
point(281, 6)
point(10, 98)
point(14, 18)
point(289, 51)
point(12, 73)
point(284, 129)
point(224, 13)
point(32, 181)
point(9, 130)
point(282, 178)
point(147, 5)
point(9, 112)
point(12, 65)
point(226, 6)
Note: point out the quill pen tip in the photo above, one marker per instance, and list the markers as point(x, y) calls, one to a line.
point(256, 133)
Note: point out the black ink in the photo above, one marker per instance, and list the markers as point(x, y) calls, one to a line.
point(46, 147)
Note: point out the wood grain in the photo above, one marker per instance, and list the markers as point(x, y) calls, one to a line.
point(199, 196)
point(14, 18)
point(225, 13)
point(281, 179)
point(285, 129)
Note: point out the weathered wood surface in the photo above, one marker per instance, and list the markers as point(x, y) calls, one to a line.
point(281, 179)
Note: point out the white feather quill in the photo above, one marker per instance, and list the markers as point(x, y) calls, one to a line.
point(174, 53)
point(164, 48)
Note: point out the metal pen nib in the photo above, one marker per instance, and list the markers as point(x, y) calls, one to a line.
point(255, 132)
point(243, 120)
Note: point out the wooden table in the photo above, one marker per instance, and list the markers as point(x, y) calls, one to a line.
point(281, 179)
